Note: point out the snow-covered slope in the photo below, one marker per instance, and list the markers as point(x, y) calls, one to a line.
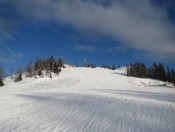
point(85, 99)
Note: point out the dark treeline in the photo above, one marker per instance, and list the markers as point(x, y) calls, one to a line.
point(40, 67)
point(50, 65)
point(89, 65)
point(156, 71)
point(113, 67)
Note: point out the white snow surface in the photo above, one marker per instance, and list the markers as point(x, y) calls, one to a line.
point(87, 100)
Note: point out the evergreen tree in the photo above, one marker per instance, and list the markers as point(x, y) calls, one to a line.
point(57, 69)
point(143, 70)
point(39, 66)
point(52, 67)
point(46, 66)
point(169, 75)
point(1, 82)
point(155, 71)
point(149, 72)
point(19, 74)
point(173, 76)
point(137, 70)
point(127, 70)
point(40, 73)
point(113, 67)
point(106, 67)
point(161, 73)
point(2, 74)
point(93, 66)
point(60, 63)
point(51, 64)
point(12, 73)
point(131, 70)
point(29, 70)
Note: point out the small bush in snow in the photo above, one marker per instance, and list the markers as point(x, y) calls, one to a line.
point(1, 82)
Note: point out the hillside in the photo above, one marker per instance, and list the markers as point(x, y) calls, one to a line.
point(85, 99)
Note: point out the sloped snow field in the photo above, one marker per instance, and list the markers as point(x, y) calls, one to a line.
point(87, 100)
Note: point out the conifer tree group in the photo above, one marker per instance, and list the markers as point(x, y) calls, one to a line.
point(136, 70)
point(156, 71)
point(29, 70)
point(113, 67)
point(40, 67)
point(106, 66)
point(49, 65)
point(88, 65)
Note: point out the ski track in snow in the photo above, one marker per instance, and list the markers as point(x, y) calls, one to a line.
point(87, 100)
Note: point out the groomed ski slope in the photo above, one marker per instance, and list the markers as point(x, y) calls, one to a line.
point(87, 100)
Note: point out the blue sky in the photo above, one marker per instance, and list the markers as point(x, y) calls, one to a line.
point(101, 31)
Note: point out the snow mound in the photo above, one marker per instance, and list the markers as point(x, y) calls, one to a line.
point(121, 70)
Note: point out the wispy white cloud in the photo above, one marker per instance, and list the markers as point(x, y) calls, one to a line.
point(117, 49)
point(81, 47)
point(8, 55)
point(5, 30)
point(137, 24)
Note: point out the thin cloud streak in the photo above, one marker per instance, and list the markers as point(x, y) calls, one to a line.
point(5, 29)
point(117, 49)
point(9, 56)
point(81, 47)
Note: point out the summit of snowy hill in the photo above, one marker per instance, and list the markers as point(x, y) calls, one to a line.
point(121, 70)
point(87, 99)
